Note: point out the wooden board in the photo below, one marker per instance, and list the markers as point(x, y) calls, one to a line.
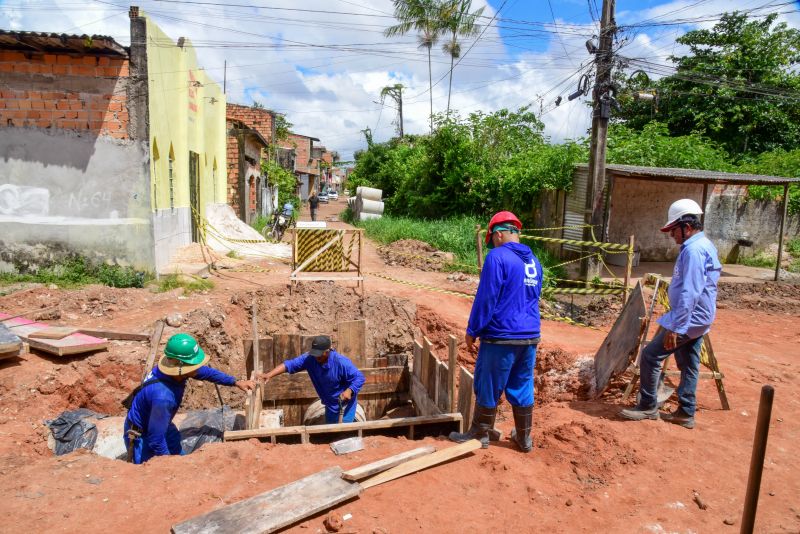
point(424, 363)
point(53, 332)
point(364, 471)
point(442, 391)
point(9, 341)
point(285, 347)
point(76, 343)
point(424, 404)
point(465, 394)
point(430, 378)
point(299, 386)
point(305, 343)
point(232, 435)
point(424, 462)
point(352, 341)
point(265, 347)
point(417, 354)
point(155, 340)
point(277, 508)
point(452, 368)
point(114, 334)
point(617, 350)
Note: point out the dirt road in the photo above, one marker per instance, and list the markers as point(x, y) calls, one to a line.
point(590, 471)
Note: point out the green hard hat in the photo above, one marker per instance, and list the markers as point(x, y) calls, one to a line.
point(185, 348)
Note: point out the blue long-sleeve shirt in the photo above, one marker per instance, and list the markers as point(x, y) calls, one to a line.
point(329, 379)
point(693, 289)
point(506, 305)
point(156, 404)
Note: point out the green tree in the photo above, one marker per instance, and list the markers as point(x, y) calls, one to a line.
point(425, 17)
point(738, 85)
point(459, 22)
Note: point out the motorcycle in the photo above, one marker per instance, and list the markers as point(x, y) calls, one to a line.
point(280, 222)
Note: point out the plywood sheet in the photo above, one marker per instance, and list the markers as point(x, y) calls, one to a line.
point(278, 508)
point(76, 343)
point(9, 341)
point(618, 348)
point(286, 347)
point(299, 386)
point(265, 347)
point(465, 394)
point(442, 387)
point(352, 341)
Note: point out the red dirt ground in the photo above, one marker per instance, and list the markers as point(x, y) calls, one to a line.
point(590, 471)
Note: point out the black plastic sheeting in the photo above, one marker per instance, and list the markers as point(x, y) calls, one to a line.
point(73, 429)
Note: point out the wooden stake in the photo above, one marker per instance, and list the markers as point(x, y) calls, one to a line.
point(256, 359)
point(158, 330)
point(479, 246)
point(452, 366)
point(628, 269)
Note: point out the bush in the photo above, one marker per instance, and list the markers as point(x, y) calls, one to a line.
point(76, 271)
point(260, 223)
point(189, 284)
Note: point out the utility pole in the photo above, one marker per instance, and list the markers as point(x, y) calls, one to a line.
point(601, 111)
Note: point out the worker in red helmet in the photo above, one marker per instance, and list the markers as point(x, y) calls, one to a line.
point(505, 316)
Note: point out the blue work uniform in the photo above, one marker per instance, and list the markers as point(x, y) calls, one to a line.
point(330, 380)
point(693, 306)
point(505, 316)
point(154, 407)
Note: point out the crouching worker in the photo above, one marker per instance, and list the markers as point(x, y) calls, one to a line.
point(335, 378)
point(149, 430)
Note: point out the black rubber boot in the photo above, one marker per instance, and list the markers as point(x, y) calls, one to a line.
point(523, 421)
point(482, 422)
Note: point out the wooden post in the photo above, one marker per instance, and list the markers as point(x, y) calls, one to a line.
point(628, 268)
point(256, 357)
point(360, 240)
point(703, 205)
point(452, 365)
point(757, 459)
point(780, 235)
point(155, 339)
point(479, 246)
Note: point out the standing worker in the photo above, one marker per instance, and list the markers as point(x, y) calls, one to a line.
point(693, 305)
point(313, 203)
point(335, 378)
point(505, 316)
point(149, 430)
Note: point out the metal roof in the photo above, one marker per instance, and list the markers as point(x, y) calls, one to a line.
point(692, 175)
point(96, 45)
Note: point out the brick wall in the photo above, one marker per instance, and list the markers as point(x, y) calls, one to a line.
point(233, 173)
point(65, 92)
point(258, 119)
point(302, 145)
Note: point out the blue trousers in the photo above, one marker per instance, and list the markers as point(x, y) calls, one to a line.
point(504, 368)
point(687, 356)
point(332, 414)
point(142, 451)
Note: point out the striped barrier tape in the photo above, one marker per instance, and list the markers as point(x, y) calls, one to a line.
point(582, 291)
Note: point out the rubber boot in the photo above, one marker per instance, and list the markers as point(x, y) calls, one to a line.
point(482, 422)
point(523, 421)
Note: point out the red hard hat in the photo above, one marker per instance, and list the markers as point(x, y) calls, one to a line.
point(499, 218)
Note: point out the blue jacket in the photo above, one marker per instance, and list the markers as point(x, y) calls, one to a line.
point(507, 303)
point(330, 379)
point(156, 404)
point(693, 289)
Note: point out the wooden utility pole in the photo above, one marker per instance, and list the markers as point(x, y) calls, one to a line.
point(601, 111)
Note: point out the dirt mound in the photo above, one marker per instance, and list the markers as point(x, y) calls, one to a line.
point(562, 376)
point(769, 297)
point(592, 311)
point(415, 254)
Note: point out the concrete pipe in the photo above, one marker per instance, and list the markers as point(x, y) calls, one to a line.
point(369, 193)
point(371, 206)
point(315, 415)
point(368, 216)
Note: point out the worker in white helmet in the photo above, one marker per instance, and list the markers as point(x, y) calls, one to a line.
point(693, 304)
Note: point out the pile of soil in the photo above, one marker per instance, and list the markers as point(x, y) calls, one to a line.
point(593, 311)
point(770, 297)
point(415, 254)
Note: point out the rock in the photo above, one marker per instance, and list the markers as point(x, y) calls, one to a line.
point(379, 530)
point(333, 522)
point(729, 521)
point(217, 320)
point(52, 286)
point(569, 502)
point(174, 319)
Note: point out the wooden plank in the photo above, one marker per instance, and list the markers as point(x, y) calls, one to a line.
point(465, 394)
point(442, 391)
point(352, 341)
point(76, 343)
point(286, 347)
point(424, 404)
point(9, 341)
point(305, 343)
point(232, 435)
point(425, 362)
point(364, 471)
point(452, 369)
point(277, 508)
point(114, 334)
point(265, 345)
point(379, 362)
point(155, 340)
point(424, 462)
point(255, 345)
point(53, 332)
point(395, 360)
point(299, 386)
point(430, 382)
point(618, 348)
point(417, 354)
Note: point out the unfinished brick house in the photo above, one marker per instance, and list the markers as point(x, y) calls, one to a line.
point(306, 167)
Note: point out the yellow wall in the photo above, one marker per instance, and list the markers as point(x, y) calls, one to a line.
point(187, 113)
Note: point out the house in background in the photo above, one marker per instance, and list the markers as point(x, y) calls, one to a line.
point(250, 133)
point(106, 151)
point(306, 168)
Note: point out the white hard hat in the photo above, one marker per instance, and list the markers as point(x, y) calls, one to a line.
point(679, 208)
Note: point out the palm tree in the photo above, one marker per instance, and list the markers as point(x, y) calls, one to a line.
point(426, 17)
point(459, 22)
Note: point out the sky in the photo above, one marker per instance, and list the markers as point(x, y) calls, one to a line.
point(323, 63)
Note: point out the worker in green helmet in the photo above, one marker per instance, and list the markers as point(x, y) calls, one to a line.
point(149, 430)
